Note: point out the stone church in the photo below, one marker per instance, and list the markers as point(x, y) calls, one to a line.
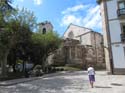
point(80, 47)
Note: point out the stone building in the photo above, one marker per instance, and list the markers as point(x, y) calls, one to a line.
point(88, 38)
point(45, 27)
point(74, 52)
point(73, 31)
point(80, 47)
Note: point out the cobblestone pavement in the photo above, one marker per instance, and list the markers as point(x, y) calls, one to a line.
point(70, 82)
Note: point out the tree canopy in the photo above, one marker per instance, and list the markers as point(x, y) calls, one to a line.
point(45, 43)
point(18, 39)
point(16, 31)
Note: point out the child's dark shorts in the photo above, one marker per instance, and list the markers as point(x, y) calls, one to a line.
point(92, 78)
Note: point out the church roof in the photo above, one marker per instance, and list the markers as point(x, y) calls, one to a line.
point(76, 30)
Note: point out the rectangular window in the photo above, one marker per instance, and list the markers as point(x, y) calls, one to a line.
point(124, 50)
point(80, 39)
point(123, 29)
point(121, 4)
point(123, 32)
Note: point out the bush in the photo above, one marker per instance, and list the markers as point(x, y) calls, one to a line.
point(38, 67)
point(37, 71)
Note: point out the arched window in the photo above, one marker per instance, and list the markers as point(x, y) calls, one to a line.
point(71, 35)
point(44, 30)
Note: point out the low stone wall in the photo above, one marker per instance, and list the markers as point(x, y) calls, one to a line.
point(119, 71)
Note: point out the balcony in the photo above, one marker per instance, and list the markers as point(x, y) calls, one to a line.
point(122, 37)
point(121, 13)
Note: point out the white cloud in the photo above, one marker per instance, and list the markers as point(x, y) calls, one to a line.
point(75, 8)
point(21, 0)
point(67, 19)
point(38, 2)
point(91, 16)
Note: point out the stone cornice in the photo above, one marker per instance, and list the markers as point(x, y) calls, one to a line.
point(98, 1)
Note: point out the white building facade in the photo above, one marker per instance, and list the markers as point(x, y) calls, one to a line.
point(113, 19)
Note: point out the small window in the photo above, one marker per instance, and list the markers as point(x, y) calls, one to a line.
point(71, 35)
point(44, 30)
point(80, 39)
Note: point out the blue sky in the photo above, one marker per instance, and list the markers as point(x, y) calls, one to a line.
point(61, 13)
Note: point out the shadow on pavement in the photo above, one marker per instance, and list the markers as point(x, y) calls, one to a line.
point(102, 87)
point(116, 84)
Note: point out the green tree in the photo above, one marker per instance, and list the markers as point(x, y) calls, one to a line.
point(5, 5)
point(5, 8)
point(18, 28)
point(45, 43)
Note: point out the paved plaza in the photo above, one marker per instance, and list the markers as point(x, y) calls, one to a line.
point(66, 82)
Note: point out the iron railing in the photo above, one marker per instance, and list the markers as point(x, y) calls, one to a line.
point(121, 12)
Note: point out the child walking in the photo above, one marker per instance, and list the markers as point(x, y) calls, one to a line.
point(91, 74)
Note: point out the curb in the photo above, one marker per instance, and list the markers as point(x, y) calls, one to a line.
point(12, 82)
point(22, 80)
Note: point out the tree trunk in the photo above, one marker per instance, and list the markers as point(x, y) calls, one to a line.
point(4, 63)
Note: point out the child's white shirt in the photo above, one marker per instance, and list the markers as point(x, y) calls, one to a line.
point(91, 71)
